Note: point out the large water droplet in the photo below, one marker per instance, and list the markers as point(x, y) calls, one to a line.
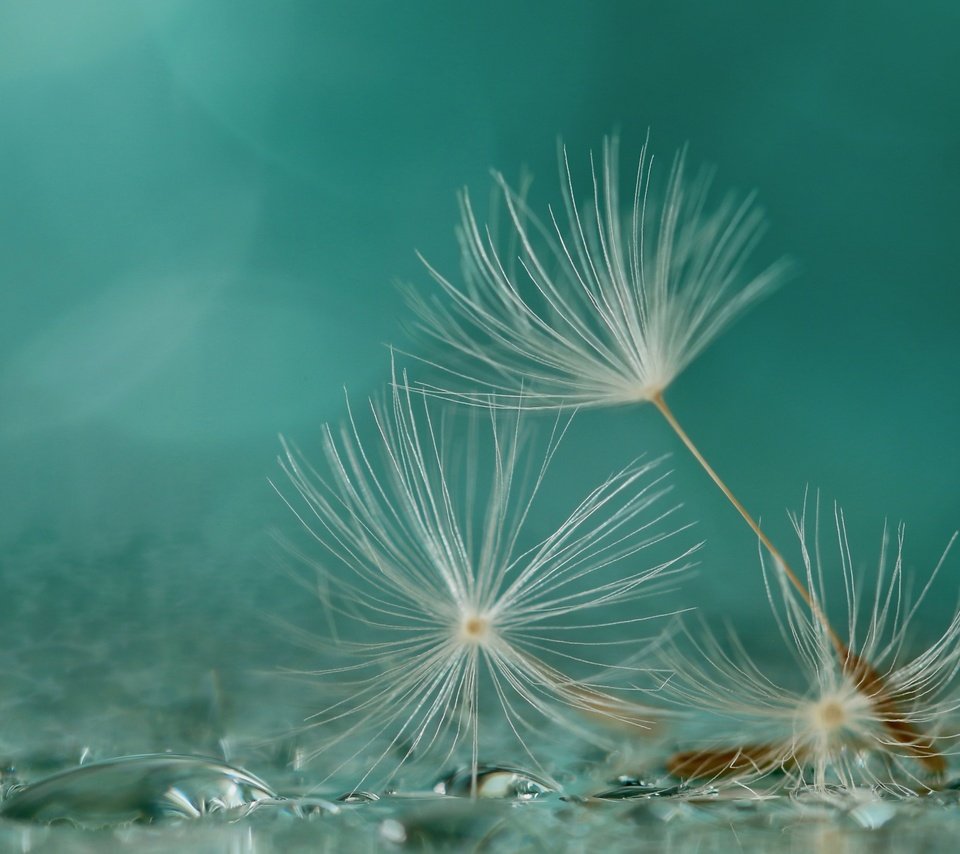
point(495, 781)
point(137, 788)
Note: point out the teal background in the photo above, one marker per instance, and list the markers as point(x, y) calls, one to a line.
point(205, 205)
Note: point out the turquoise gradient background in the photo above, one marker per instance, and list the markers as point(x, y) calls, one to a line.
point(205, 207)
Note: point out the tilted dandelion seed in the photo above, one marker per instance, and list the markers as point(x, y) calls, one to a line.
point(854, 723)
point(454, 614)
point(601, 312)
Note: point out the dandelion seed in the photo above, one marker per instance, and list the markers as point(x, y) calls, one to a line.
point(603, 311)
point(450, 614)
point(852, 723)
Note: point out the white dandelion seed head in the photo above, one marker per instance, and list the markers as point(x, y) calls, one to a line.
point(592, 305)
point(454, 613)
point(868, 713)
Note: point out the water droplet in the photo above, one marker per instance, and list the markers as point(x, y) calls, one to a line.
point(136, 788)
point(358, 798)
point(635, 788)
point(630, 780)
point(495, 781)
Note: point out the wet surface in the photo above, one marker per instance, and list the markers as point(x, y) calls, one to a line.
point(234, 771)
point(164, 802)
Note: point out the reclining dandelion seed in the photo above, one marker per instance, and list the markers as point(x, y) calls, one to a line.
point(844, 728)
point(599, 318)
point(447, 604)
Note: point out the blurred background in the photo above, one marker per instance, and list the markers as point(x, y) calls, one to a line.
point(205, 208)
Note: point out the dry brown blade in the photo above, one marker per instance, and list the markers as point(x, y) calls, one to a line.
point(700, 764)
point(903, 732)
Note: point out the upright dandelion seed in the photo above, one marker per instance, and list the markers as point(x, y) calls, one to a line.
point(453, 615)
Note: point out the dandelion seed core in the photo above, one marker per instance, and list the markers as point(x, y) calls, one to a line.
point(475, 628)
point(829, 714)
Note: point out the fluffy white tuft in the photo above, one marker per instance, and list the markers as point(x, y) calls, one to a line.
point(870, 714)
point(449, 612)
point(591, 308)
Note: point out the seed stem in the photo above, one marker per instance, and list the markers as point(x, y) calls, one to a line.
point(778, 558)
